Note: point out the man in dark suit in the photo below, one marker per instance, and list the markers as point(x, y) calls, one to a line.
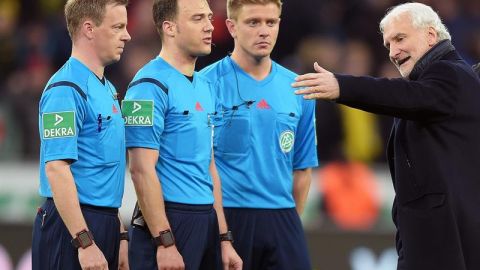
point(434, 147)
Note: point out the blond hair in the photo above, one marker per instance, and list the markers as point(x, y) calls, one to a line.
point(76, 11)
point(233, 6)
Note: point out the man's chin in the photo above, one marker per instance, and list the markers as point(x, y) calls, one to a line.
point(261, 54)
point(204, 52)
point(405, 72)
point(112, 60)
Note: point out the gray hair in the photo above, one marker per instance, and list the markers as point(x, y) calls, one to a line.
point(422, 16)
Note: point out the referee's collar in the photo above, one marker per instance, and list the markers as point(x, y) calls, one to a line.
point(85, 71)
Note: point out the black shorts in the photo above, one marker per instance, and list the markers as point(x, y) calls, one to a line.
point(195, 228)
point(268, 239)
point(51, 247)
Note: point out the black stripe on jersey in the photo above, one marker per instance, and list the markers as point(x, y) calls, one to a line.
point(150, 80)
point(70, 84)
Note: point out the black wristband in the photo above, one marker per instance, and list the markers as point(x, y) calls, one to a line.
point(124, 236)
point(228, 236)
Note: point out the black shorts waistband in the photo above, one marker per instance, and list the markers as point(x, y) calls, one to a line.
point(170, 208)
point(188, 207)
point(103, 209)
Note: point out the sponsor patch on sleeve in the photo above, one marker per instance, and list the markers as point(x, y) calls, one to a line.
point(138, 112)
point(58, 125)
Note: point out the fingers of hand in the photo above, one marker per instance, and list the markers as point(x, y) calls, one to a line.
point(238, 265)
point(315, 96)
point(309, 90)
point(235, 267)
point(308, 76)
point(171, 267)
point(318, 68)
point(96, 266)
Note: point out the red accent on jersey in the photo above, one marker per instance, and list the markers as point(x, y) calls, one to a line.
point(263, 105)
point(198, 107)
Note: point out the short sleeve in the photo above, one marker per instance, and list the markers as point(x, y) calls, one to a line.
point(144, 109)
point(305, 151)
point(61, 117)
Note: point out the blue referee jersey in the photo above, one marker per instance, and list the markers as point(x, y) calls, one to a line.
point(80, 120)
point(167, 112)
point(263, 131)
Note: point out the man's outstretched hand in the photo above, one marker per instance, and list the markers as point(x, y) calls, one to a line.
point(319, 85)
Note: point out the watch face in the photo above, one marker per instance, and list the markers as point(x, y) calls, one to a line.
point(84, 239)
point(167, 239)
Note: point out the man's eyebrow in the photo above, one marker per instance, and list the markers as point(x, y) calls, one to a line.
point(395, 37)
point(199, 14)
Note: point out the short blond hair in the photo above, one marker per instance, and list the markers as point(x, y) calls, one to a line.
point(233, 6)
point(76, 11)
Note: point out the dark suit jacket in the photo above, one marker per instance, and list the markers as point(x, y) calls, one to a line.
point(433, 155)
point(477, 68)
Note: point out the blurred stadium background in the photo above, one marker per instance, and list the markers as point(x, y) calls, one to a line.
point(347, 219)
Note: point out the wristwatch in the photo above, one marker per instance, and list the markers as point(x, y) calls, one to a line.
point(228, 236)
point(124, 236)
point(165, 239)
point(83, 239)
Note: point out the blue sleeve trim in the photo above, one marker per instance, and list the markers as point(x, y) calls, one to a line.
point(70, 84)
point(149, 80)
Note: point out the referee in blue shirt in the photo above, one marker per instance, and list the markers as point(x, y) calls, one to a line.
point(264, 142)
point(82, 157)
point(168, 113)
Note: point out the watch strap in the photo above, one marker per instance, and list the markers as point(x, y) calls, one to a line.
point(228, 236)
point(124, 236)
point(165, 238)
point(83, 239)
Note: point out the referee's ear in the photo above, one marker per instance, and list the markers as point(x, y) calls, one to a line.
point(231, 26)
point(169, 28)
point(87, 29)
